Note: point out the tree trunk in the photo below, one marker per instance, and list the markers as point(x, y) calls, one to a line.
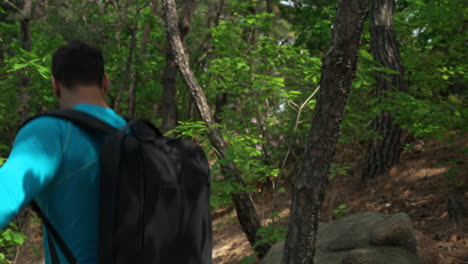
point(133, 71)
point(206, 46)
point(269, 6)
point(131, 92)
point(221, 101)
point(123, 18)
point(245, 209)
point(206, 49)
point(24, 92)
point(384, 152)
point(169, 107)
point(128, 68)
point(338, 71)
point(147, 29)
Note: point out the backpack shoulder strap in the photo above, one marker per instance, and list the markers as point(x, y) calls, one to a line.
point(52, 231)
point(85, 121)
point(80, 119)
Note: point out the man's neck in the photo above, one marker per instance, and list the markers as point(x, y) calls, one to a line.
point(83, 96)
point(71, 105)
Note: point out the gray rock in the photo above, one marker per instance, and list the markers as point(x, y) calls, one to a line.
point(365, 238)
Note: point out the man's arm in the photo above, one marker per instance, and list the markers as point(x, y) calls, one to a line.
point(33, 163)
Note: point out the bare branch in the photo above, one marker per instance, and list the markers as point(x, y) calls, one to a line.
point(13, 5)
point(298, 117)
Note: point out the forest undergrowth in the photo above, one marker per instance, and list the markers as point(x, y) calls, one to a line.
point(418, 185)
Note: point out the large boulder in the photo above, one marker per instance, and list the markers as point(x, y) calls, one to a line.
point(365, 238)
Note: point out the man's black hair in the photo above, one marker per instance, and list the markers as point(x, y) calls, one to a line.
point(78, 64)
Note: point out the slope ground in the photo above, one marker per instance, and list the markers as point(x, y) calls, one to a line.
point(418, 186)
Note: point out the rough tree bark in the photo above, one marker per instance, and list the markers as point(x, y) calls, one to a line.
point(384, 152)
point(338, 71)
point(169, 106)
point(24, 92)
point(245, 209)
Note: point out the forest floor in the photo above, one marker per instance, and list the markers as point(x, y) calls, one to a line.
point(417, 186)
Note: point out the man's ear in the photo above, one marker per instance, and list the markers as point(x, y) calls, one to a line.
point(105, 83)
point(56, 87)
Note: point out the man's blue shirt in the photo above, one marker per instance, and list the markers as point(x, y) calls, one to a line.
point(57, 163)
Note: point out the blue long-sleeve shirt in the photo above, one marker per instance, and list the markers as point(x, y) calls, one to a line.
point(57, 164)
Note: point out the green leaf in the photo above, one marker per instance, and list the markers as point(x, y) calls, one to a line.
point(248, 259)
point(281, 190)
point(365, 54)
point(386, 70)
point(19, 66)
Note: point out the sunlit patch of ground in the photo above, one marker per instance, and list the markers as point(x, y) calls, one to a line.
point(417, 186)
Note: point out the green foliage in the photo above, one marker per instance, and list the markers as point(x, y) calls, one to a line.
point(29, 60)
point(312, 22)
point(10, 238)
point(464, 150)
point(338, 170)
point(271, 233)
point(251, 259)
point(340, 211)
point(427, 118)
point(245, 151)
point(190, 129)
point(452, 175)
point(266, 83)
point(450, 178)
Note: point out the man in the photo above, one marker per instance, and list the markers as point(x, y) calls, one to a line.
point(56, 163)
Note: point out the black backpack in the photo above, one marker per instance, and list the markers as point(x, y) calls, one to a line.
point(154, 197)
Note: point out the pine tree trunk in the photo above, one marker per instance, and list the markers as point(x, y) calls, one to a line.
point(24, 92)
point(384, 152)
point(169, 106)
point(245, 209)
point(338, 71)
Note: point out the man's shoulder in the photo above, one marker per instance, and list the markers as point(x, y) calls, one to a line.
point(105, 114)
point(44, 124)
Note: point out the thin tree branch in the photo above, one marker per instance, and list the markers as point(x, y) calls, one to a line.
point(13, 5)
point(295, 128)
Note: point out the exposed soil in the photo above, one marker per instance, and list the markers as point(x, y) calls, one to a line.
point(417, 186)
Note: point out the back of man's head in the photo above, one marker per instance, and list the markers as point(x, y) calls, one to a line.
point(78, 64)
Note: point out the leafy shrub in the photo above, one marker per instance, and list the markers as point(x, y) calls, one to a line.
point(10, 238)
